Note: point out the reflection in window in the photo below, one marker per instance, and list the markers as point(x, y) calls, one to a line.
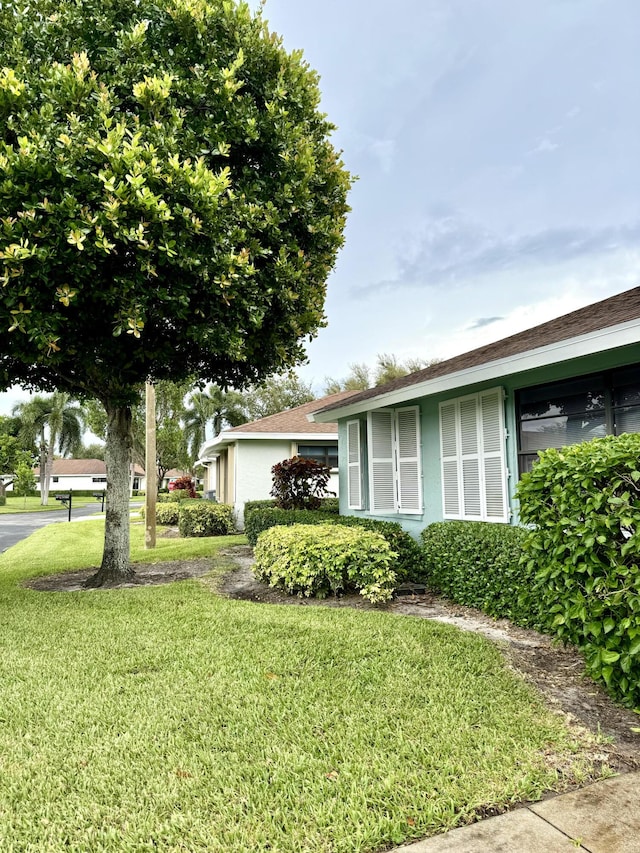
point(327, 454)
point(577, 410)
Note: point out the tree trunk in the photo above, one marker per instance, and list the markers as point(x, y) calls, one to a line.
point(116, 566)
point(48, 472)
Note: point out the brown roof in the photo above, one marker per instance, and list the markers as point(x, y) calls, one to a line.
point(295, 420)
point(609, 312)
point(81, 468)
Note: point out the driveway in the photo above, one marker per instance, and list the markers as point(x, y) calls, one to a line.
point(19, 525)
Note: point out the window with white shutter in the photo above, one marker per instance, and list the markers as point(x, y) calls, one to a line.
point(395, 474)
point(408, 460)
point(382, 484)
point(353, 465)
point(472, 444)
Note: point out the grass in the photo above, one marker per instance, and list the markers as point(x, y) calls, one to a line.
point(167, 718)
point(32, 504)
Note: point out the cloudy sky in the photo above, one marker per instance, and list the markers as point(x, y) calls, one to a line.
point(496, 144)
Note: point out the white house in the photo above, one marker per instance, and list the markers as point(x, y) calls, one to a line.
point(83, 474)
point(238, 461)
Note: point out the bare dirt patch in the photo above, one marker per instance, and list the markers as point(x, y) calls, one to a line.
point(146, 574)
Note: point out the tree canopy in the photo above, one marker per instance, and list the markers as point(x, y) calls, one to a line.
point(387, 368)
point(170, 204)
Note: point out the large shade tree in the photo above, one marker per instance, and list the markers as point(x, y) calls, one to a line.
point(170, 205)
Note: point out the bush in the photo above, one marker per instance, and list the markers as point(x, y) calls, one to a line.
point(205, 518)
point(477, 564)
point(262, 518)
point(327, 505)
point(166, 513)
point(583, 506)
point(299, 483)
point(409, 561)
point(184, 484)
point(318, 559)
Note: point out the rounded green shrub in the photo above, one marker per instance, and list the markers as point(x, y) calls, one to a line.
point(409, 561)
point(319, 559)
point(204, 518)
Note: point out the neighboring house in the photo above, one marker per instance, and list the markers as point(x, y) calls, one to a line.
point(450, 441)
point(83, 474)
point(238, 461)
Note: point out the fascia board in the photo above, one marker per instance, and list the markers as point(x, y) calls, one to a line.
point(583, 345)
point(222, 440)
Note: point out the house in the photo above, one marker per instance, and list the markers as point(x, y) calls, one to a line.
point(450, 441)
point(239, 460)
point(83, 474)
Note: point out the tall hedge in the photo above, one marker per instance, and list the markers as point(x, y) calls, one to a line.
point(582, 504)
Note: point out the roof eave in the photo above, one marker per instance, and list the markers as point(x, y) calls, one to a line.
point(223, 440)
point(601, 340)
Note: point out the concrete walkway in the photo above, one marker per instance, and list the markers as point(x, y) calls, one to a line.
point(601, 818)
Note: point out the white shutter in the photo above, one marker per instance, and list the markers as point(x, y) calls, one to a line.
point(450, 461)
point(493, 456)
point(381, 462)
point(472, 444)
point(470, 458)
point(409, 468)
point(353, 465)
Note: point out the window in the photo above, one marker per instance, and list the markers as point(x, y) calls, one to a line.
point(577, 410)
point(101, 480)
point(326, 454)
point(55, 479)
point(395, 475)
point(472, 447)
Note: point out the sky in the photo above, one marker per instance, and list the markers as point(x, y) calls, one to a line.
point(496, 148)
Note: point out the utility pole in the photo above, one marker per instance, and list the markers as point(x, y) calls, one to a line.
point(151, 490)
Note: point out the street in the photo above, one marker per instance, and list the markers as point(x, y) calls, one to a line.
point(17, 526)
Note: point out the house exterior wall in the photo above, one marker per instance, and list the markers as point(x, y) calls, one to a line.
point(253, 480)
point(430, 434)
point(84, 482)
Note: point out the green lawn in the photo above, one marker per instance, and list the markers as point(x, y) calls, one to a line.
point(167, 718)
point(32, 504)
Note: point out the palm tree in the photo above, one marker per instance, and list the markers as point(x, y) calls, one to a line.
point(53, 421)
point(213, 406)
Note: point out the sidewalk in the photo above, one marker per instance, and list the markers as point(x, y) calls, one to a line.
point(601, 818)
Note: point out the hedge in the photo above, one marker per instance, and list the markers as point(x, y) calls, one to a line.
point(204, 518)
point(327, 505)
point(477, 564)
point(582, 504)
point(318, 559)
point(409, 562)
